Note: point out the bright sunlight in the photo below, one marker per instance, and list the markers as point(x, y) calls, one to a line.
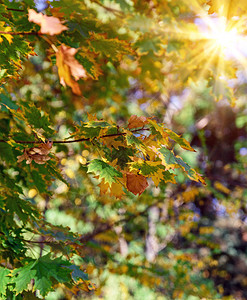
point(224, 38)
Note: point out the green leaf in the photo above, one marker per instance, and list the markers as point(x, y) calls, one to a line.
point(178, 139)
point(7, 101)
point(41, 270)
point(43, 284)
point(77, 273)
point(4, 280)
point(132, 140)
point(145, 168)
point(122, 154)
point(46, 268)
point(149, 44)
point(114, 49)
point(24, 209)
point(36, 118)
point(171, 161)
point(6, 153)
point(39, 181)
point(104, 171)
point(23, 276)
point(51, 169)
point(141, 23)
point(90, 129)
point(123, 4)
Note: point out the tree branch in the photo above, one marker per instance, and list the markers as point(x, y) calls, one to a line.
point(116, 12)
point(108, 226)
point(102, 228)
point(16, 9)
point(20, 33)
point(77, 140)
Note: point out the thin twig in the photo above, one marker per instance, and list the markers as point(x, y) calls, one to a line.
point(16, 9)
point(117, 12)
point(39, 242)
point(20, 33)
point(77, 140)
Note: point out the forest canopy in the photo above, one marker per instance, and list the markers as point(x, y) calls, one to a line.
point(123, 149)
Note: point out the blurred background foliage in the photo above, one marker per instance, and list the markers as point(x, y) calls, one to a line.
point(177, 241)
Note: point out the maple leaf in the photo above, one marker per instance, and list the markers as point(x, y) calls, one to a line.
point(22, 276)
point(135, 141)
point(135, 121)
point(170, 161)
point(181, 141)
point(41, 270)
point(104, 171)
point(111, 141)
point(152, 169)
point(115, 189)
point(38, 154)
point(111, 48)
point(68, 66)
point(4, 280)
point(46, 268)
point(136, 183)
point(159, 131)
point(48, 25)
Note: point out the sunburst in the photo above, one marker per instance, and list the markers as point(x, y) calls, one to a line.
point(219, 44)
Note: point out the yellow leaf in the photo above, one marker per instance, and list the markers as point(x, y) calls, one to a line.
point(8, 37)
point(161, 130)
point(68, 66)
point(117, 190)
point(111, 141)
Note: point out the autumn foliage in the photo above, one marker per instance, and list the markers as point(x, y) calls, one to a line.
point(99, 186)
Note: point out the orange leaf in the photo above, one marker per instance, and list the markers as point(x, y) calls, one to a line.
point(136, 184)
point(135, 122)
point(117, 190)
point(68, 66)
point(48, 25)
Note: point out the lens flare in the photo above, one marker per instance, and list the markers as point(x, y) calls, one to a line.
point(225, 39)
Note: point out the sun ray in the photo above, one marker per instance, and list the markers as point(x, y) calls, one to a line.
point(217, 39)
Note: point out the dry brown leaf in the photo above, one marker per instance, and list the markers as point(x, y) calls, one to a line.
point(38, 154)
point(135, 121)
point(136, 184)
point(68, 66)
point(48, 25)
